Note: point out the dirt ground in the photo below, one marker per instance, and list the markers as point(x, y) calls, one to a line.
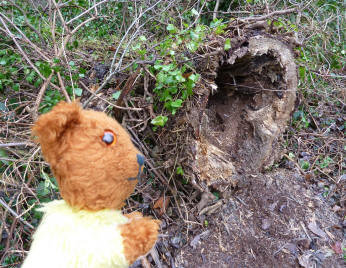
point(278, 220)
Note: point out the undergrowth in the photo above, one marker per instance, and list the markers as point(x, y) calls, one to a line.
point(65, 50)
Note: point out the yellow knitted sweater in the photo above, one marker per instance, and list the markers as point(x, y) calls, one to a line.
point(69, 238)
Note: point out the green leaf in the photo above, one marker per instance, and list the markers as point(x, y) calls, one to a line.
point(194, 12)
point(78, 91)
point(304, 165)
point(71, 63)
point(16, 87)
point(177, 103)
point(194, 77)
point(217, 195)
point(116, 95)
point(142, 38)
point(192, 46)
point(3, 154)
point(159, 120)
point(42, 189)
point(75, 43)
point(171, 28)
point(157, 66)
point(302, 72)
point(180, 170)
point(3, 61)
point(291, 155)
point(326, 161)
point(194, 36)
point(227, 44)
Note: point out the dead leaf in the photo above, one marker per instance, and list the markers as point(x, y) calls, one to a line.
point(305, 261)
point(337, 248)
point(94, 87)
point(196, 239)
point(211, 209)
point(308, 177)
point(316, 230)
point(161, 204)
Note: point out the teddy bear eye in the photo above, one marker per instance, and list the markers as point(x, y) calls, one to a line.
point(109, 137)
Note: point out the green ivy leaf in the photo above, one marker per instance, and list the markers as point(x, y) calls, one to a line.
point(305, 165)
point(180, 170)
point(142, 38)
point(171, 28)
point(78, 91)
point(227, 44)
point(3, 61)
point(116, 95)
point(176, 104)
point(16, 87)
point(159, 120)
point(194, 77)
point(194, 12)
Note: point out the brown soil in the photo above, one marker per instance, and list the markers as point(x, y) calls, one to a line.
point(269, 223)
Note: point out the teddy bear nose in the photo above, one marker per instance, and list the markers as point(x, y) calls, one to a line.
point(140, 159)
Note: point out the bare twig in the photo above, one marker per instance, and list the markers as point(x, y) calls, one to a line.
point(114, 69)
point(63, 89)
point(34, 111)
point(127, 87)
point(272, 14)
point(14, 144)
point(3, 203)
point(112, 104)
point(36, 48)
point(216, 9)
point(27, 22)
point(24, 54)
point(88, 10)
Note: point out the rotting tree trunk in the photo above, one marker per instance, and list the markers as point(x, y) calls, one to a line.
point(244, 100)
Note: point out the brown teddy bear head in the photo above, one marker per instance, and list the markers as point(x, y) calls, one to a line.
point(91, 155)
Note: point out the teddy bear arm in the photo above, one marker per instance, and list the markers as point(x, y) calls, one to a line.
point(139, 236)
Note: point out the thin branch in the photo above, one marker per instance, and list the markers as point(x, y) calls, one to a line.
point(27, 21)
point(127, 32)
point(40, 96)
point(216, 9)
point(14, 144)
point(3, 203)
point(272, 14)
point(112, 71)
point(24, 54)
point(89, 9)
point(116, 106)
point(61, 17)
point(63, 89)
point(37, 49)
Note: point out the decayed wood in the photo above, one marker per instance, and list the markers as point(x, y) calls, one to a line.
point(244, 100)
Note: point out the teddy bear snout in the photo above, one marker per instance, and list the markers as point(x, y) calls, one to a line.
point(140, 161)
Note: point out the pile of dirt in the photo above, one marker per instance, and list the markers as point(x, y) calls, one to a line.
point(278, 220)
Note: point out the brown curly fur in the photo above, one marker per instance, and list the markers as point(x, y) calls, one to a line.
point(91, 174)
point(139, 235)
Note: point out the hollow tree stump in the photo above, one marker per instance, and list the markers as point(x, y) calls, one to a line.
point(244, 99)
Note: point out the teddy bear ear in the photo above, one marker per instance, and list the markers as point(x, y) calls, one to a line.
point(50, 126)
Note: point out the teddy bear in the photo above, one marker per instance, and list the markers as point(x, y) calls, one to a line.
point(97, 167)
